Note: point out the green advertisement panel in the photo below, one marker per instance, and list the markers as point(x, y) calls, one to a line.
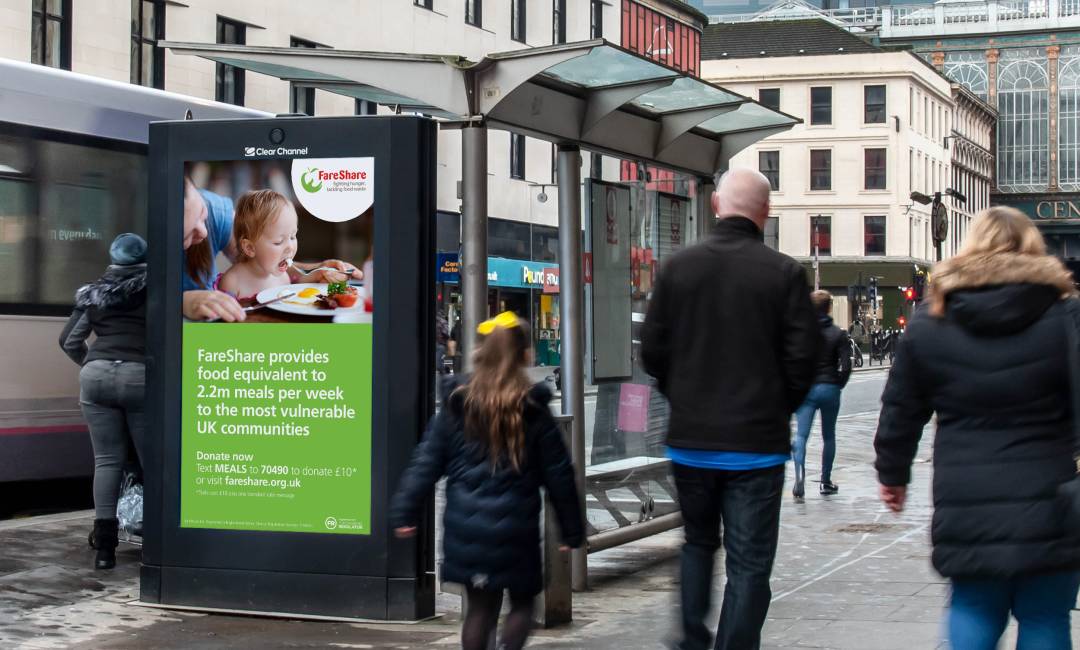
point(276, 427)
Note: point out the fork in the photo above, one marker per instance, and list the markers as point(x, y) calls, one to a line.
point(348, 272)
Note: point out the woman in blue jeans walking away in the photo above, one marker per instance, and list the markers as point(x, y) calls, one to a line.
point(991, 355)
point(831, 375)
point(113, 377)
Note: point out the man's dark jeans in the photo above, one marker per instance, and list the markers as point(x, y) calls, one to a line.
point(747, 504)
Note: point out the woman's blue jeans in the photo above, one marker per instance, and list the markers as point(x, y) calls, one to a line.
point(824, 398)
point(980, 609)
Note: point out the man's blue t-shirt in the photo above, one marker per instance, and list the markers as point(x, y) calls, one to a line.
point(219, 225)
point(724, 460)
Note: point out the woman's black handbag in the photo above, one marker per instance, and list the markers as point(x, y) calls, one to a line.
point(1069, 492)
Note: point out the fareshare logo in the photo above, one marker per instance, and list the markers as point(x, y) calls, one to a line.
point(334, 189)
point(306, 181)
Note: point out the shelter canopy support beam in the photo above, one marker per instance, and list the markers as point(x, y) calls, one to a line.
point(474, 285)
point(572, 328)
point(604, 101)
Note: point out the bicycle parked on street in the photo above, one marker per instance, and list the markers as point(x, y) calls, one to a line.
point(856, 354)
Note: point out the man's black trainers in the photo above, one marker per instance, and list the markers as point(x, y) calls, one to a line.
point(828, 487)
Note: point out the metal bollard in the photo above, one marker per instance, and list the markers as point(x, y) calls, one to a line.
point(554, 605)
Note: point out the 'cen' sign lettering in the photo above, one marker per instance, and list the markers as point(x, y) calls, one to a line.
point(1057, 210)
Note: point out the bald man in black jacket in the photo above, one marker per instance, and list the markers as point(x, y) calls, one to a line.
point(731, 338)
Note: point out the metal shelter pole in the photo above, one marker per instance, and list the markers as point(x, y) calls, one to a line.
point(571, 326)
point(474, 287)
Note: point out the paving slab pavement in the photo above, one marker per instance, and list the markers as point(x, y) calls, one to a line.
point(848, 576)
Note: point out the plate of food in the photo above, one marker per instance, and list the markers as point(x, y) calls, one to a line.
point(314, 298)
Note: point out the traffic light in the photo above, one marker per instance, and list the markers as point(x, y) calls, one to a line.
point(909, 294)
point(873, 291)
point(901, 320)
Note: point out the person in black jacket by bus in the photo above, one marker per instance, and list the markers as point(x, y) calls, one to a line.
point(497, 443)
point(831, 374)
point(113, 377)
point(990, 356)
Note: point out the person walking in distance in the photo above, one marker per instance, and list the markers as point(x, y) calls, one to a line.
point(830, 377)
point(731, 338)
point(995, 356)
point(497, 443)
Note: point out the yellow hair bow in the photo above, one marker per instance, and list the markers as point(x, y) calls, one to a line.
point(505, 320)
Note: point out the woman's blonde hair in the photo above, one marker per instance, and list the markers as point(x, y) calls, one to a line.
point(1003, 247)
point(255, 211)
point(1002, 229)
point(495, 395)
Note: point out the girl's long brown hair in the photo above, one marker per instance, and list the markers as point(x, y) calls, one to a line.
point(496, 392)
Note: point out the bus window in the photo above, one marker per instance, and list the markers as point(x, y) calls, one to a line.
point(61, 205)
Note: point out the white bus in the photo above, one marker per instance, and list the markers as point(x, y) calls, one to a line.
point(72, 176)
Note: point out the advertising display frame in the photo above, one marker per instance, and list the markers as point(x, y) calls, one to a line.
point(370, 576)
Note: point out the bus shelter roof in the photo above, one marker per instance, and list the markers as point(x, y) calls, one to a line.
point(592, 94)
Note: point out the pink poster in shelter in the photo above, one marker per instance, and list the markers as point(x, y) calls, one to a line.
point(634, 408)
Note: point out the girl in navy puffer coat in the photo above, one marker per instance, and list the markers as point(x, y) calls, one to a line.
point(497, 443)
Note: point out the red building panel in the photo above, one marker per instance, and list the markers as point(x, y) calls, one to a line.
point(668, 41)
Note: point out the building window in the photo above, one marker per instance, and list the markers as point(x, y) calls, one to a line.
point(969, 70)
point(509, 239)
point(545, 244)
point(554, 164)
point(820, 169)
point(1023, 121)
point(769, 98)
point(50, 33)
point(1069, 119)
point(874, 235)
point(558, 21)
point(769, 165)
point(874, 104)
point(821, 235)
point(230, 80)
point(364, 107)
point(517, 156)
point(772, 233)
point(303, 98)
point(821, 105)
point(474, 12)
point(147, 28)
point(426, 4)
point(874, 169)
point(596, 18)
point(518, 12)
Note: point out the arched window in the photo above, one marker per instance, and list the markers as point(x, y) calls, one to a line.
point(969, 70)
point(1023, 121)
point(1069, 118)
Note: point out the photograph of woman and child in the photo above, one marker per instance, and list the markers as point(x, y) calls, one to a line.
point(244, 217)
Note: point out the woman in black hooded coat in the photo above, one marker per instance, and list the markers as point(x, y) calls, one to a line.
point(990, 355)
point(113, 377)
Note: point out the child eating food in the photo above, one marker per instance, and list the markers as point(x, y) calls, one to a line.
point(265, 229)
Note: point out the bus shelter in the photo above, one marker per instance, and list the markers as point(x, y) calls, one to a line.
point(589, 95)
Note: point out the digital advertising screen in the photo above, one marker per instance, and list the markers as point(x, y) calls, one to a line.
point(282, 423)
point(276, 428)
